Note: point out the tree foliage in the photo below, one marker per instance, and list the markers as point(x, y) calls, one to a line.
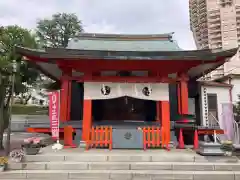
point(10, 37)
point(58, 30)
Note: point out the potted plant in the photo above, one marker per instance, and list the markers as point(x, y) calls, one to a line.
point(17, 155)
point(3, 163)
point(32, 146)
point(227, 147)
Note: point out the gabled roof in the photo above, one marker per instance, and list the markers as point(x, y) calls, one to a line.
point(124, 42)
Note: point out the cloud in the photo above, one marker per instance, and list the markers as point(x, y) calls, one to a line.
point(108, 16)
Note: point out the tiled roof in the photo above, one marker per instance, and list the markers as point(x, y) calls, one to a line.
point(109, 42)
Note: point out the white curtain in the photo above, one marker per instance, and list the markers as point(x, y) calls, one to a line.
point(147, 91)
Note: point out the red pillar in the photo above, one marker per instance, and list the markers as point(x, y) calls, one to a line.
point(87, 119)
point(182, 97)
point(158, 111)
point(65, 99)
point(164, 109)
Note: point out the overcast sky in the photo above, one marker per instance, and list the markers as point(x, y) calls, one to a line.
point(107, 16)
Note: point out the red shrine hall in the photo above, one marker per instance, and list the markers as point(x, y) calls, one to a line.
point(124, 91)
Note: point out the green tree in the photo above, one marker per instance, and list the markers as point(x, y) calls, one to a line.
point(58, 30)
point(10, 37)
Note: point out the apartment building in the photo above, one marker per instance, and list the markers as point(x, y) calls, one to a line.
point(216, 25)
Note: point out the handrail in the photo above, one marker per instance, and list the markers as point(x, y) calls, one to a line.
point(236, 138)
point(214, 119)
point(236, 132)
point(211, 125)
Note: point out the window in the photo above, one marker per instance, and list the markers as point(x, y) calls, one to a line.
point(212, 107)
point(212, 101)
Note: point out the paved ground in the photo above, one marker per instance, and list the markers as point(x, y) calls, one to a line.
point(19, 134)
point(19, 121)
point(17, 139)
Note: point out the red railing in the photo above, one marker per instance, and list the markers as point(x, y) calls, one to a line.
point(153, 137)
point(100, 136)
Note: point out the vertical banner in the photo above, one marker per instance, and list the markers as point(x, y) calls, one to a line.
point(227, 120)
point(54, 111)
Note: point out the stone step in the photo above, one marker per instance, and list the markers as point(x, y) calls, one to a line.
point(85, 157)
point(123, 175)
point(176, 166)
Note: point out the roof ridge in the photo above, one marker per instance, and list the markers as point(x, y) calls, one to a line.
point(125, 36)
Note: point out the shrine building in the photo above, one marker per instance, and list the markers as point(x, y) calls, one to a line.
point(125, 82)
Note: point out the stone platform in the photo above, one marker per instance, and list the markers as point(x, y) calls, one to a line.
point(103, 164)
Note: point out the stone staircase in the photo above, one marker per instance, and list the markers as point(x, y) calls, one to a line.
point(158, 165)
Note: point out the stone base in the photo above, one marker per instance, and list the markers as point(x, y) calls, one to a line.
point(210, 149)
point(82, 144)
point(236, 149)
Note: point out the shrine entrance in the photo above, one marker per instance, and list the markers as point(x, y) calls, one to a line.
point(124, 109)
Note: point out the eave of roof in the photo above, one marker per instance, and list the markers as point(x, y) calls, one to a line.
point(223, 78)
point(209, 60)
point(61, 53)
point(216, 84)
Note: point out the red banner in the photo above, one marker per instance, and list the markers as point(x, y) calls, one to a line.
point(54, 112)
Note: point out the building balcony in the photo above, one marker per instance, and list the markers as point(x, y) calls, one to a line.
point(216, 41)
point(202, 5)
point(214, 20)
point(193, 10)
point(215, 36)
point(195, 23)
point(194, 15)
point(204, 34)
point(202, 20)
point(192, 2)
point(203, 24)
point(213, 14)
point(197, 28)
point(214, 30)
point(214, 25)
point(205, 46)
point(225, 2)
point(202, 15)
point(201, 1)
point(204, 41)
point(202, 11)
point(198, 33)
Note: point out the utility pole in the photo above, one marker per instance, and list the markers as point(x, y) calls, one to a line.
point(8, 144)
